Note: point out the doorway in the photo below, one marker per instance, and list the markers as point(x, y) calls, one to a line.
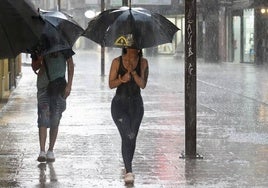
point(248, 36)
point(237, 38)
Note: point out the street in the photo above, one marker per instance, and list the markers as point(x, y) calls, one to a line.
point(232, 129)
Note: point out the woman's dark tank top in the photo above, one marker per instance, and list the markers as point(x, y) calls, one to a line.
point(130, 88)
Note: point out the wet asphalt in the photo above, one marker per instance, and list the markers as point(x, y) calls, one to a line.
point(232, 129)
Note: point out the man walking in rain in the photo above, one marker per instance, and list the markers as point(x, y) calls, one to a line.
point(51, 104)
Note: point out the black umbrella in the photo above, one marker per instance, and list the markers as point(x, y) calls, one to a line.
point(65, 25)
point(51, 41)
point(130, 27)
point(20, 27)
point(60, 32)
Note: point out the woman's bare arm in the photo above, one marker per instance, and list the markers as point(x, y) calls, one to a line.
point(141, 80)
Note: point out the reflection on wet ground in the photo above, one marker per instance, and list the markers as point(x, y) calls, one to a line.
point(232, 131)
point(47, 174)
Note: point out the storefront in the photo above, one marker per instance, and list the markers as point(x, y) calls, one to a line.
point(243, 36)
point(250, 32)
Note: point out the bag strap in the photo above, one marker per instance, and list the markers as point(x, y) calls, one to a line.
point(46, 69)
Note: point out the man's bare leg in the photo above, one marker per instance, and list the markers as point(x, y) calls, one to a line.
point(42, 142)
point(42, 138)
point(53, 133)
point(52, 139)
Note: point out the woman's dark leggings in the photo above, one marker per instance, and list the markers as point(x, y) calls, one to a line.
point(127, 113)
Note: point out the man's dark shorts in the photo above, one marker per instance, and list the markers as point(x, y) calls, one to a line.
point(50, 109)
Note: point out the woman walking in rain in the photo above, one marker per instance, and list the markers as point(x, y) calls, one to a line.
point(51, 104)
point(128, 73)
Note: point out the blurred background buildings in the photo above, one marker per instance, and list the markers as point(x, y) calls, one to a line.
point(227, 30)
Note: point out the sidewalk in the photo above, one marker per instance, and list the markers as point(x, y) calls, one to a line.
point(232, 131)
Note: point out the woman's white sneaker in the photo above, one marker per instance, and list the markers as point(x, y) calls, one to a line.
point(129, 178)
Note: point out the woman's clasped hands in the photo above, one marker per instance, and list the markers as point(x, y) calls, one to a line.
point(125, 78)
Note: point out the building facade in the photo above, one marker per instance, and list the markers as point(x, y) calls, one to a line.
point(10, 71)
point(237, 29)
point(79, 9)
point(227, 30)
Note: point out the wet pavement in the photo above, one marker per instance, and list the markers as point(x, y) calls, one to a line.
point(232, 130)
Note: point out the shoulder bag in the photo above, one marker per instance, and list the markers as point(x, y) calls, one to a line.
point(57, 86)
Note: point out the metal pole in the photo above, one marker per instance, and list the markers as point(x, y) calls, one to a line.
point(124, 2)
point(102, 47)
point(190, 79)
point(59, 5)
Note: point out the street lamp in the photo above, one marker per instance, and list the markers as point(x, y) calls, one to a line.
point(264, 10)
point(59, 5)
point(90, 14)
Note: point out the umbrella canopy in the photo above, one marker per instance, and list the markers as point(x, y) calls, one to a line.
point(130, 27)
point(51, 41)
point(20, 27)
point(65, 24)
point(60, 32)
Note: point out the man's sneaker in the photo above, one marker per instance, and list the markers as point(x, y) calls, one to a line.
point(50, 156)
point(42, 157)
point(129, 178)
